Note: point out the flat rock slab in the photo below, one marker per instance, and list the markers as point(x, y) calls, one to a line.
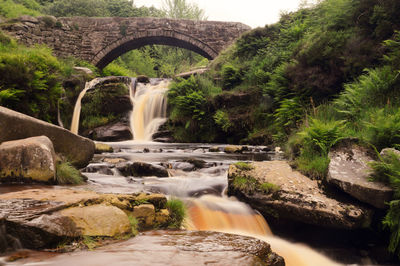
point(178, 248)
point(297, 197)
point(42, 218)
point(349, 171)
point(14, 125)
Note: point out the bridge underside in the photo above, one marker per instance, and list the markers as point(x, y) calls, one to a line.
point(103, 59)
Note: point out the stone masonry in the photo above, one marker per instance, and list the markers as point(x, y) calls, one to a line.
point(101, 40)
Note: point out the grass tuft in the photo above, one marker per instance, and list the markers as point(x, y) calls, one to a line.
point(68, 174)
point(177, 210)
point(244, 166)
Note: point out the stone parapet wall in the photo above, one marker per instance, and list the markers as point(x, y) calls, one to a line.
point(101, 40)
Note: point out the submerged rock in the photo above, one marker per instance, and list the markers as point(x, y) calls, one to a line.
point(349, 171)
point(118, 131)
point(14, 125)
point(178, 248)
point(235, 149)
point(27, 160)
point(142, 169)
point(102, 147)
point(275, 190)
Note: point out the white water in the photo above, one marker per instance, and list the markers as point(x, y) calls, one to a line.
point(77, 109)
point(149, 109)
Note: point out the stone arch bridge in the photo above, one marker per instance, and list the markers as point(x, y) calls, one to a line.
point(101, 40)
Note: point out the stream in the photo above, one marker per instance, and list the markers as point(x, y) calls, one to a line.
point(202, 188)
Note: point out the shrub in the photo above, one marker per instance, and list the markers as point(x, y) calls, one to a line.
point(321, 136)
point(14, 9)
point(387, 170)
point(177, 210)
point(372, 89)
point(383, 128)
point(221, 118)
point(231, 76)
point(114, 69)
point(29, 81)
point(288, 115)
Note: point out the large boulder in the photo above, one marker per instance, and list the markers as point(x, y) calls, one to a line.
point(276, 190)
point(27, 160)
point(349, 171)
point(179, 248)
point(40, 218)
point(14, 125)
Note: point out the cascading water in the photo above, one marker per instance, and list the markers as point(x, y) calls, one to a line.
point(149, 108)
point(211, 213)
point(77, 109)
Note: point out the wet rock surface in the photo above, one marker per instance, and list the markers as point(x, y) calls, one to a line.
point(42, 218)
point(27, 160)
point(349, 171)
point(140, 169)
point(173, 248)
point(295, 197)
point(118, 131)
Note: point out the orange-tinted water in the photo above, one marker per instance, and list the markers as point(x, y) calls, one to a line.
point(210, 213)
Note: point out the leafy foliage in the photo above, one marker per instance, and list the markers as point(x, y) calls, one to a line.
point(221, 118)
point(388, 171)
point(29, 82)
point(383, 128)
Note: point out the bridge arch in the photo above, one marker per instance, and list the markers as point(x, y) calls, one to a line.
point(137, 40)
point(101, 40)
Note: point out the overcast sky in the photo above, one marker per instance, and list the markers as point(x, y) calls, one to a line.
point(251, 12)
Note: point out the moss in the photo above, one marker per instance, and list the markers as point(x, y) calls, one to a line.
point(134, 225)
point(89, 242)
point(269, 188)
point(244, 166)
point(250, 185)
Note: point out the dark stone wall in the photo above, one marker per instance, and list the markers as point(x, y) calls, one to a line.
point(101, 40)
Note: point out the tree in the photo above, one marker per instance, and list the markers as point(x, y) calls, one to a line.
point(183, 10)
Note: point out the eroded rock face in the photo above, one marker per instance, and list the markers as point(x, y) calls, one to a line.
point(349, 171)
point(27, 160)
point(294, 196)
point(14, 125)
point(40, 218)
point(179, 248)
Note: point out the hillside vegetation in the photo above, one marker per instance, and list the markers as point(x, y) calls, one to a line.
point(321, 74)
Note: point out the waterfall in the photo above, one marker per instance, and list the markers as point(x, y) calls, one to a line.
point(211, 213)
point(77, 109)
point(149, 108)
